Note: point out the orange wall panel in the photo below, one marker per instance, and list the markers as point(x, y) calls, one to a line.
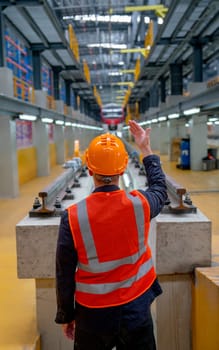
point(52, 154)
point(27, 164)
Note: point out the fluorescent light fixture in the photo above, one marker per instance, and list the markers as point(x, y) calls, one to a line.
point(155, 120)
point(187, 125)
point(100, 18)
point(108, 46)
point(217, 122)
point(146, 122)
point(192, 111)
point(83, 126)
point(68, 124)
point(27, 117)
point(209, 123)
point(114, 74)
point(147, 19)
point(173, 116)
point(59, 122)
point(212, 119)
point(161, 119)
point(47, 120)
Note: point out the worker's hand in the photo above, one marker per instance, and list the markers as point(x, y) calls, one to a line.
point(69, 330)
point(142, 137)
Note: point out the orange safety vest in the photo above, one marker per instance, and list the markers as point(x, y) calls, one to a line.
point(110, 233)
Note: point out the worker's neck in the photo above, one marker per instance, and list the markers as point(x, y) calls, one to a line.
point(101, 183)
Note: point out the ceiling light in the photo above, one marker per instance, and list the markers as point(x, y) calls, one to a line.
point(68, 124)
point(59, 122)
point(47, 120)
point(217, 122)
point(145, 122)
point(114, 74)
point(192, 111)
point(100, 18)
point(108, 46)
point(27, 117)
point(83, 126)
point(173, 116)
point(212, 119)
point(147, 19)
point(209, 123)
point(161, 119)
point(155, 120)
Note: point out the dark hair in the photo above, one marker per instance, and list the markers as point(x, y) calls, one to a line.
point(106, 179)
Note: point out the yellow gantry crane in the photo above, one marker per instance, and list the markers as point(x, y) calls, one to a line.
point(160, 10)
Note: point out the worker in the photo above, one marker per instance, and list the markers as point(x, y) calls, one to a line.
point(105, 277)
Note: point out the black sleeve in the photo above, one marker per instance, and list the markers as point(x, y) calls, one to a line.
point(66, 263)
point(156, 193)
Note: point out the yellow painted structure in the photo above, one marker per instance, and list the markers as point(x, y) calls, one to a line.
point(52, 154)
point(27, 164)
point(205, 315)
point(76, 148)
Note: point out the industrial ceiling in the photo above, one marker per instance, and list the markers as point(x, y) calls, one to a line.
point(111, 38)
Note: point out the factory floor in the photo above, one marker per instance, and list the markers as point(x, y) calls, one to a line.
point(17, 297)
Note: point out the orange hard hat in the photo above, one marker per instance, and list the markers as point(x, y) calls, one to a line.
point(106, 155)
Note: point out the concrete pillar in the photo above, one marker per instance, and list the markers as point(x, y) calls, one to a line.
point(59, 106)
point(40, 98)
point(176, 131)
point(70, 111)
point(6, 79)
point(69, 136)
point(198, 141)
point(41, 142)
point(59, 143)
point(2, 42)
point(163, 138)
point(155, 137)
point(8, 159)
point(196, 88)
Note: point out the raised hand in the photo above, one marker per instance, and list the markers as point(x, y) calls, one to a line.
point(142, 137)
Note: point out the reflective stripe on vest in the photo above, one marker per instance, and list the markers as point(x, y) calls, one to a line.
point(110, 287)
point(94, 265)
